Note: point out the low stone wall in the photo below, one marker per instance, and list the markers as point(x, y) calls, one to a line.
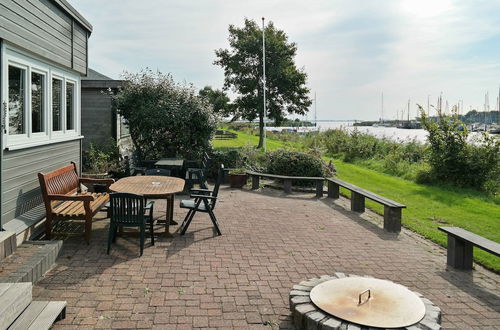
point(306, 315)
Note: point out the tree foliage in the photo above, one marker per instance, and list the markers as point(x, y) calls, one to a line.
point(286, 89)
point(218, 99)
point(165, 118)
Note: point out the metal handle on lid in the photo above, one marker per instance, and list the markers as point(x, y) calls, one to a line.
point(362, 293)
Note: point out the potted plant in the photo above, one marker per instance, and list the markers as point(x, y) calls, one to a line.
point(237, 177)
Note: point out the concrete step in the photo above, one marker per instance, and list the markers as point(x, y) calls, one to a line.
point(8, 244)
point(14, 298)
point(40, 315)
point(30, 262)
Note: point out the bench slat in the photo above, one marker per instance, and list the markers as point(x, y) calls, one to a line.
point(285, 177)
point(366, 193)
point(479, 241)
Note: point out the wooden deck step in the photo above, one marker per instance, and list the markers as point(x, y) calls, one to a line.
point(8, 243)
point(14, 299)
point(40, 315)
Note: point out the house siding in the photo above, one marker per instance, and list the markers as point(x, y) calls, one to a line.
point(97, 117)
point(41, 27)
point(20, 187)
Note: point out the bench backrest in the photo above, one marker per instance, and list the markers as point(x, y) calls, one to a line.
point(60, 182)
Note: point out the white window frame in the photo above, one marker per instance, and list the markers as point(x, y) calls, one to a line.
point(17, 137)
point(74, 83)
point(59, 133)
point(30, 63)
point(43, 135)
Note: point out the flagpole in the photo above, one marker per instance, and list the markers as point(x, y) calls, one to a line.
point(264, 80)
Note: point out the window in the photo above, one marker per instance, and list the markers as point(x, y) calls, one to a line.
point(56, 105)
point(70, 106)
point(41, 100)
point(17, 87)
point(37, 102)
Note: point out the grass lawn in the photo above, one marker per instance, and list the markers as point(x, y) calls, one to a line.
point(428, 207)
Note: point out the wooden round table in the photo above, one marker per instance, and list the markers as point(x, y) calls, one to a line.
point(152, 187)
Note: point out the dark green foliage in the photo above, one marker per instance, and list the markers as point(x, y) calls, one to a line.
point(165, 118)
point(104, 158)
point(218, 99)
point(455, 159)
point(286, 89)
point(295, 163)
point(245, 157)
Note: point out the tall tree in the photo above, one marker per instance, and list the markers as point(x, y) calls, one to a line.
point(286, 90)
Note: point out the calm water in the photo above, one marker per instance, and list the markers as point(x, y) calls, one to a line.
point(392, 133)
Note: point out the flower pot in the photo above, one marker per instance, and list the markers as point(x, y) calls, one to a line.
point(237, 180)
point(96, 175)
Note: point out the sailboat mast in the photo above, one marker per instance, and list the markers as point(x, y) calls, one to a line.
point(315, 111)
point(408, 111)
point(382, 109)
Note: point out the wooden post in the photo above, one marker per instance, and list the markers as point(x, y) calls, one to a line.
point(459, 253)
point(357, 202)
point(255, 181)
point(319, 188)
point(333, 190)
point(392, 219)
point(287, 186)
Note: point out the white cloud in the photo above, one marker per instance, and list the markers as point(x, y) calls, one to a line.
point(352, 50)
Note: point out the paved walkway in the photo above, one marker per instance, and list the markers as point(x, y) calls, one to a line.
point(242, 279)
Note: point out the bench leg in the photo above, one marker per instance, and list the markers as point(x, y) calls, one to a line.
point(459, 253)
point(255, 182)
point(333, 190)
point(48, 227)
point(287, 186)
point(392, 219)
point(319, 188)
point(357, 202)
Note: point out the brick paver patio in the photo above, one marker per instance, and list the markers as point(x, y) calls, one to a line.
point(242, 279)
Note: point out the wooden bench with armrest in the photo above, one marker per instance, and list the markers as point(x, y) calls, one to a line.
point(63, 198)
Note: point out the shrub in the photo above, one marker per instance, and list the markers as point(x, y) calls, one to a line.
point(456, 160)
point(165, 118)
point(294, 163)
point(246, 157)
point(104, 158)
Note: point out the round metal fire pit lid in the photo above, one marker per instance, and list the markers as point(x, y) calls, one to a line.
point(368, 301)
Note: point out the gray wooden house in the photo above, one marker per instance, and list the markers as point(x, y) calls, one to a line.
point(100, 121)
point(43, 55)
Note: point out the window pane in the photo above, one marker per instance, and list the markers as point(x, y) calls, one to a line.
point(17, 83)
point(70, 101)
point(37, 102)
point(56, 104)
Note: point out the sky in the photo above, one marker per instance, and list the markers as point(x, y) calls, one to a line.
point(352, 50)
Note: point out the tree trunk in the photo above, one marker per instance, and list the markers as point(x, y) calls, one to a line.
point(261, 131)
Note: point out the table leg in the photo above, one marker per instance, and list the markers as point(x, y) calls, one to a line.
point(169, 215)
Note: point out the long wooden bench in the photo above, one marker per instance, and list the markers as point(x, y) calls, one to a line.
point(392, 209)
point(287, 181)
point(64, 199)
point(460, 246)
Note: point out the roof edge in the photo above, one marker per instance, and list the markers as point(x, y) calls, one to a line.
point(69, 9)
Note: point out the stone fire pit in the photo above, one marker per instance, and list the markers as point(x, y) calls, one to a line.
point(306, 315)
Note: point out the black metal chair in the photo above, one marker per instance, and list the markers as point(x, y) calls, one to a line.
point(128, 210)
point(157, 171)
point(203, 200)
point(198, 175)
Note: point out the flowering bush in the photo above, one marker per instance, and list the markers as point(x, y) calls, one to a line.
point(165, 118)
